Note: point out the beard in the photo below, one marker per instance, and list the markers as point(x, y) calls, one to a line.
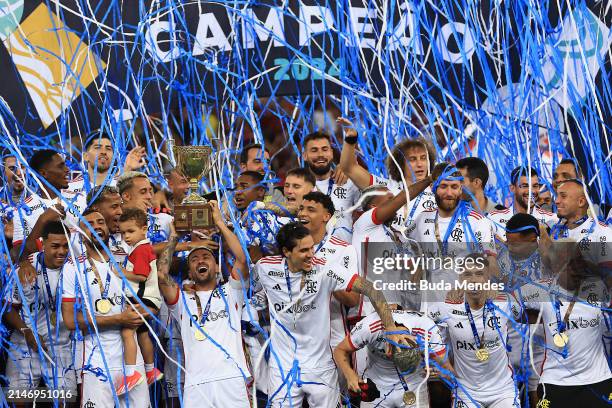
point(445, 205)
point(320, 170)
point(524, 203)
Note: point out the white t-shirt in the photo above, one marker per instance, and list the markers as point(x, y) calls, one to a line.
point(499, 218)
point(586, 361)
point(301, 331)
point(344, 197)
point(481, 380)
point(594, 240)
point(220, 355)
point(24, 219)
point(110, 346)
point(40, 305)
point(82, 183)
point(338, 252)
point(380, 369)
point(426, 201)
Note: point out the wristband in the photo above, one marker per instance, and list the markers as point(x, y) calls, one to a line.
point(24, 329)
point(351, 140)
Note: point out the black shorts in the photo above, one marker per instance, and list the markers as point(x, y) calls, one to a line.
point(572, 396)
point(143, 327)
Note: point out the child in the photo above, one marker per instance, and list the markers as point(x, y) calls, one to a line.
point(141, 271)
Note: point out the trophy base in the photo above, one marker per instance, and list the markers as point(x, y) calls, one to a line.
point(188, 217)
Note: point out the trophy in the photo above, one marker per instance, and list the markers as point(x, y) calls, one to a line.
point(194, 163)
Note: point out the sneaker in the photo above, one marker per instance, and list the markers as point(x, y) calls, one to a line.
point(154, 375)
point(131, 381)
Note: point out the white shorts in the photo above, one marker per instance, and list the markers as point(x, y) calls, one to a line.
point(502, 401)
point(99, 391)
point(228, 393)
point(25, 370)
point(171, 370)
point(324, 394)
point(394, 398)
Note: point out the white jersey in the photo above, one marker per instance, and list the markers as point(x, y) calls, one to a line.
point(160, 227)
point(82, 184)
point(480, 380)
point(118, 247)
point(344, 197)
point(81, 285)
point(586, 361)
point(369, 332)
point(425, 201)
point(40, 303)
point(338, 252)
point(220, 355)
point(594, 239)
point(260, 228)
point(470, 233)
point(300, 331)
point(26, 215)
point(499, 218)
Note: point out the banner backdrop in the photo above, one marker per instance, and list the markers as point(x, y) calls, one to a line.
point(71, 66)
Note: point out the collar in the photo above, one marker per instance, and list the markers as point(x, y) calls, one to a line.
point(139, 243)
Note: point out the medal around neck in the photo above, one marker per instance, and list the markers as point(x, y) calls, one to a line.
point(409, 398)
point(561, 339)
point(482, 355)
point(199, 335)
point(103, 306)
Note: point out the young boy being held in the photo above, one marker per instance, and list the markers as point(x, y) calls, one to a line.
point(140, 271)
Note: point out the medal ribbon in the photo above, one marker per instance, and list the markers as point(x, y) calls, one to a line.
point(479, 340)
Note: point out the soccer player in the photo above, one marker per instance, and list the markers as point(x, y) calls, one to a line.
point(475, 176)
point(216, 373)
point(93, 301)
point(319, 157)
point(525, 188)
point(35, 316)
point(54, 202)
point(315, 212)
point(573, 311)
point(98, 157)
point(298, 287)
point(567, 169)
point(137, 192)
point(107, 201)
point(298, 182)
point(475, 325)
point(396, 389)
point(254, 157)
point(415, 157)
point(451, 230)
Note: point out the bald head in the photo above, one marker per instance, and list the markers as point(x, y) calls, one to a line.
point(571, 200)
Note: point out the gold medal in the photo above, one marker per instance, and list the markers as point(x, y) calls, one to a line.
point(409, 398)
point(103, 306)
point(561, 339)
point(53, 319)
point(482, 355)
point(199, 336)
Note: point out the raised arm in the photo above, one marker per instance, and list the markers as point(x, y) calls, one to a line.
point(348, 161)
point(388, 209)
point(167, 285)
point(233, 243)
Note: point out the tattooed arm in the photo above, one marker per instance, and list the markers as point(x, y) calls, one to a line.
point(365, 287)
point(167, 285)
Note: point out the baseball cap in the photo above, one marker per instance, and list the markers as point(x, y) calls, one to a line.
point(201, 247)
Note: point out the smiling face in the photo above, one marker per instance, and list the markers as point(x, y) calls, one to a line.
point(96, 220)
point(523, 188)
point(319, 156)
point(313, 215)
point(563, 172)
point(13, 174)
point(300, 257)
point(476, 274)
point(571, 201)
point(110, 208)
point(202, 267)
point(257, 160)
point(55, 250)
point(56, 172)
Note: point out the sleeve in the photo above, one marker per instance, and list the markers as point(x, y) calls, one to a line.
point(341, 278)
point(176, 307)
point(367, 331)
point(437, 344)
point(18, 232)
point(69, 289)
point(139, 261)
point(235, 288)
